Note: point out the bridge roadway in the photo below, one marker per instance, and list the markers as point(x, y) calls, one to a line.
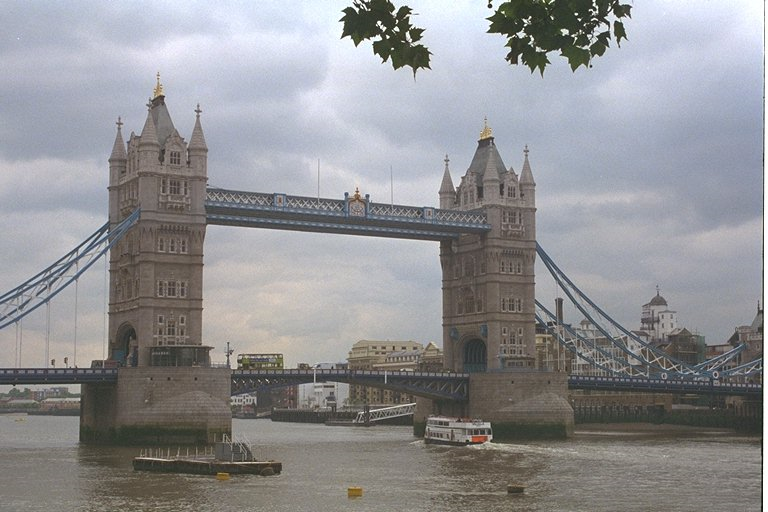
point(433, 385)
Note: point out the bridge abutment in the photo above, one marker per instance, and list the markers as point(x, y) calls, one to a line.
point(158, 405)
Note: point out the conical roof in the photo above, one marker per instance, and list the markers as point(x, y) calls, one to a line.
point(118, 150)
point(162, 119)
point(486, 159)
point(197, 141)
point(526, 176)
point(447, 185)
point(149, 133)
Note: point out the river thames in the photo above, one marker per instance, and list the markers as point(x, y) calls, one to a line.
point(44, 468)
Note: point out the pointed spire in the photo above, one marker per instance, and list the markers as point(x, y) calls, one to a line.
point(526, 176)
point(447, 184)
point(149, 132)
point(118, 150)
point(197, 141)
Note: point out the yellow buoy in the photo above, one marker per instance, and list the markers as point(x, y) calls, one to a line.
point(222, 476)
point(354, 492)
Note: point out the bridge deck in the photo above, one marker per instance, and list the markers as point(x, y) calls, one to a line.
point(435, 385)
point(298, 213)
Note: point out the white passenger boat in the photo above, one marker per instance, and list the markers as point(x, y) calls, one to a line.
point(457, 431)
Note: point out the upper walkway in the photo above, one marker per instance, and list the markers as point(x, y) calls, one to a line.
point(433, 385)
point(354, 215)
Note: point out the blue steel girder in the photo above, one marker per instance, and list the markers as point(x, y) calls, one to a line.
point(432, 385)
point(702, 386)
point(44, 286)
point(321, 215)
point(26, 376)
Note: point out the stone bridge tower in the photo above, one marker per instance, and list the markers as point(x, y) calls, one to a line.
point(488, 279)
point(489, 328)
point(166, 390)
point(156, 270)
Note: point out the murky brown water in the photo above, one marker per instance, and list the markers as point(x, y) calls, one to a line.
point(42, 467)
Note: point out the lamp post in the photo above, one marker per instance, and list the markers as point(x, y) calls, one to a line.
point(229, 353)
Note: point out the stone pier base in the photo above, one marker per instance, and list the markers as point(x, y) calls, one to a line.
point(158, 405)
point(521, 405)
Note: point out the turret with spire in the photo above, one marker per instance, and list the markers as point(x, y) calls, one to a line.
point(488, 280)
point(447, 191)
point(198, 149)
point(166, 178)
point(487, 181)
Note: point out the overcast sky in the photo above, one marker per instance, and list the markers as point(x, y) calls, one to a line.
point(648, 166)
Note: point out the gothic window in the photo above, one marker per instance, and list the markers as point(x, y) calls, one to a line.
point(171, 245)
point(160, 319)
point(175, 158)
point(161, 244)
point(161, 288)
point(511, 305)
point(183, 245)
point(468, 298)
point(174, 187)
point(182, 290)
point(469, 266)
point(171, 289)
point(171, 328)
point(163, 186)
point(186, 187)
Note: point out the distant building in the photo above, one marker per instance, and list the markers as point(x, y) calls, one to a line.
point(394, 356)
point(53, 404)
point(657, 320)
point(322, 395)
point(684, 346)
point(55, 392)
point(752, 337)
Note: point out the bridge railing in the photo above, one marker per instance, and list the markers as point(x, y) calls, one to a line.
point(222, 198)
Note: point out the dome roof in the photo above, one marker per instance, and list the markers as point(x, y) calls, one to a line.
point(658, 300)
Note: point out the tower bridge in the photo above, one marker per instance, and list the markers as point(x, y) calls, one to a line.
point(159, 209)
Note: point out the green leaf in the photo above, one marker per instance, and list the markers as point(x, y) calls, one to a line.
point(576, 56)
point(618, 32)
